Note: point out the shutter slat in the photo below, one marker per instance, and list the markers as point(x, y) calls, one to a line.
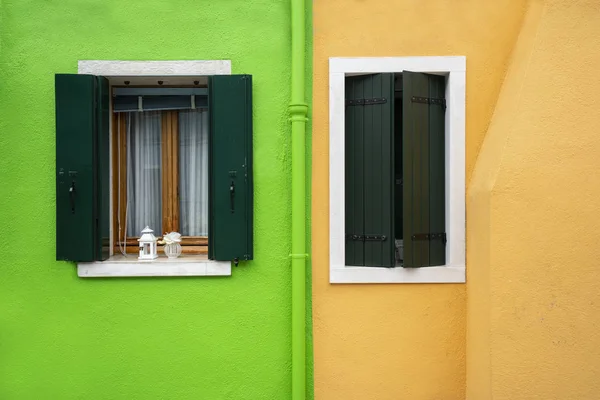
point(372, 172)
point(230, 107)
point(408, 169)
point(359, 171)
point(350, 183)
point(387, 171)
point(437, 215)
point(398, 217)
point(421, 169)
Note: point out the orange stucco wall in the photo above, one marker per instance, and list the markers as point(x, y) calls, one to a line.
point(402, 341)
point(533, 225)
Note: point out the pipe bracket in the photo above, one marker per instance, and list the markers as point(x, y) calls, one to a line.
point(299, 256)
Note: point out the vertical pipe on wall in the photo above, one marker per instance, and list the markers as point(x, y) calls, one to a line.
point(298, 115)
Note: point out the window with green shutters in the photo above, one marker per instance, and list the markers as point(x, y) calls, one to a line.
point(395, 170)
point(83, 167)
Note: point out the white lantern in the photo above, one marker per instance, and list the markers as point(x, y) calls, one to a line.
point(147, 245)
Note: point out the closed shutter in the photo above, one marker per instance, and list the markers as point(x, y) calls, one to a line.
point(82, 167)
point(231, 188)
point(369, 179)
point(423, 170)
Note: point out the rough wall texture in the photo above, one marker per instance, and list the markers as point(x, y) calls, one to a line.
point(533, 288)
point(213, 338)
point(399, 341)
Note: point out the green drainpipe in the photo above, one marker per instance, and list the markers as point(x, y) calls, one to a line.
point(298, 112)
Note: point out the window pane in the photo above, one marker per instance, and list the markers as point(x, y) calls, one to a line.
point(193, 172)
point(144, 172)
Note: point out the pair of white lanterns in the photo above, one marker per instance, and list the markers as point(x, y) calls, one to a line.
point(148, 242)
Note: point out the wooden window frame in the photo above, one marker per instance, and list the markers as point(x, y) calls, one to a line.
point(169, 180)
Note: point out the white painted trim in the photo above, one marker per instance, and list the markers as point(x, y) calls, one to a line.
point(373, 65)
point(120, 266)
point(454, 67)
point(445, 274)
point(154, 68)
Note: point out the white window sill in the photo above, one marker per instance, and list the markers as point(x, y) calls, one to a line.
point(130, 266)
point(443, 274)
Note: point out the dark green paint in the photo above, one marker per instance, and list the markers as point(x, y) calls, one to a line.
point(369, 171)
point(82, 163)
point(398, 204)
point(437, 204)
point(231, 225)
point(354, 173)
point(423, 169)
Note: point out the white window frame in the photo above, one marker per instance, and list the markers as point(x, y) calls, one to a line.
point(454, 68)
point(141, 72)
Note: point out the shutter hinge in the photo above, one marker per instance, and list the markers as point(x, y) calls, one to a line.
point(429, 100)
point(236, 260)
point(430, 236)
point(367, 238)
point(366, 102)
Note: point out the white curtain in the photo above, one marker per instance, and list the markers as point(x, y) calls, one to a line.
point(144, 195)
point(193, 172)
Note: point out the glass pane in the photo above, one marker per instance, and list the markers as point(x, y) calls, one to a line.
point(193, 172)
point(144, 199)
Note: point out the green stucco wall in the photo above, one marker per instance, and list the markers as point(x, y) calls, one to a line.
point(62, 337)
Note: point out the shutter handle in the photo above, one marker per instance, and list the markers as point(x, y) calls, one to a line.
point(232, 196)
point(72, 196)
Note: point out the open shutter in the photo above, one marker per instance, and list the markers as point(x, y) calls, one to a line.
point(369, 180)
point(423, 170)
point(82, 168)
point(231, 188)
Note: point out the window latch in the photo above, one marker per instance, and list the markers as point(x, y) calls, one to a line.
point(72, 196)
point(232, 196)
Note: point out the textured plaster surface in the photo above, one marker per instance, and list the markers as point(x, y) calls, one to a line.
point(533, 286)
point(62, 337)
point(156, 68)
point(399, 341)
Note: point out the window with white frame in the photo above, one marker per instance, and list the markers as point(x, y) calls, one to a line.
point(397, 169)
point(180, 143)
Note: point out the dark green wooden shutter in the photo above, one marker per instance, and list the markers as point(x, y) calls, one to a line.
point(423, 170)
point(82, 168)
point(231, 188)
point(369, 180)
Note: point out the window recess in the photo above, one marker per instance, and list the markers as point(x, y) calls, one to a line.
point(161, 163)
point(395, 170)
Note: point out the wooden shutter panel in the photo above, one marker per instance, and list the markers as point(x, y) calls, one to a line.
point(82, 167)
point(369, 179)
point(231, 188)
point(423, 170)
